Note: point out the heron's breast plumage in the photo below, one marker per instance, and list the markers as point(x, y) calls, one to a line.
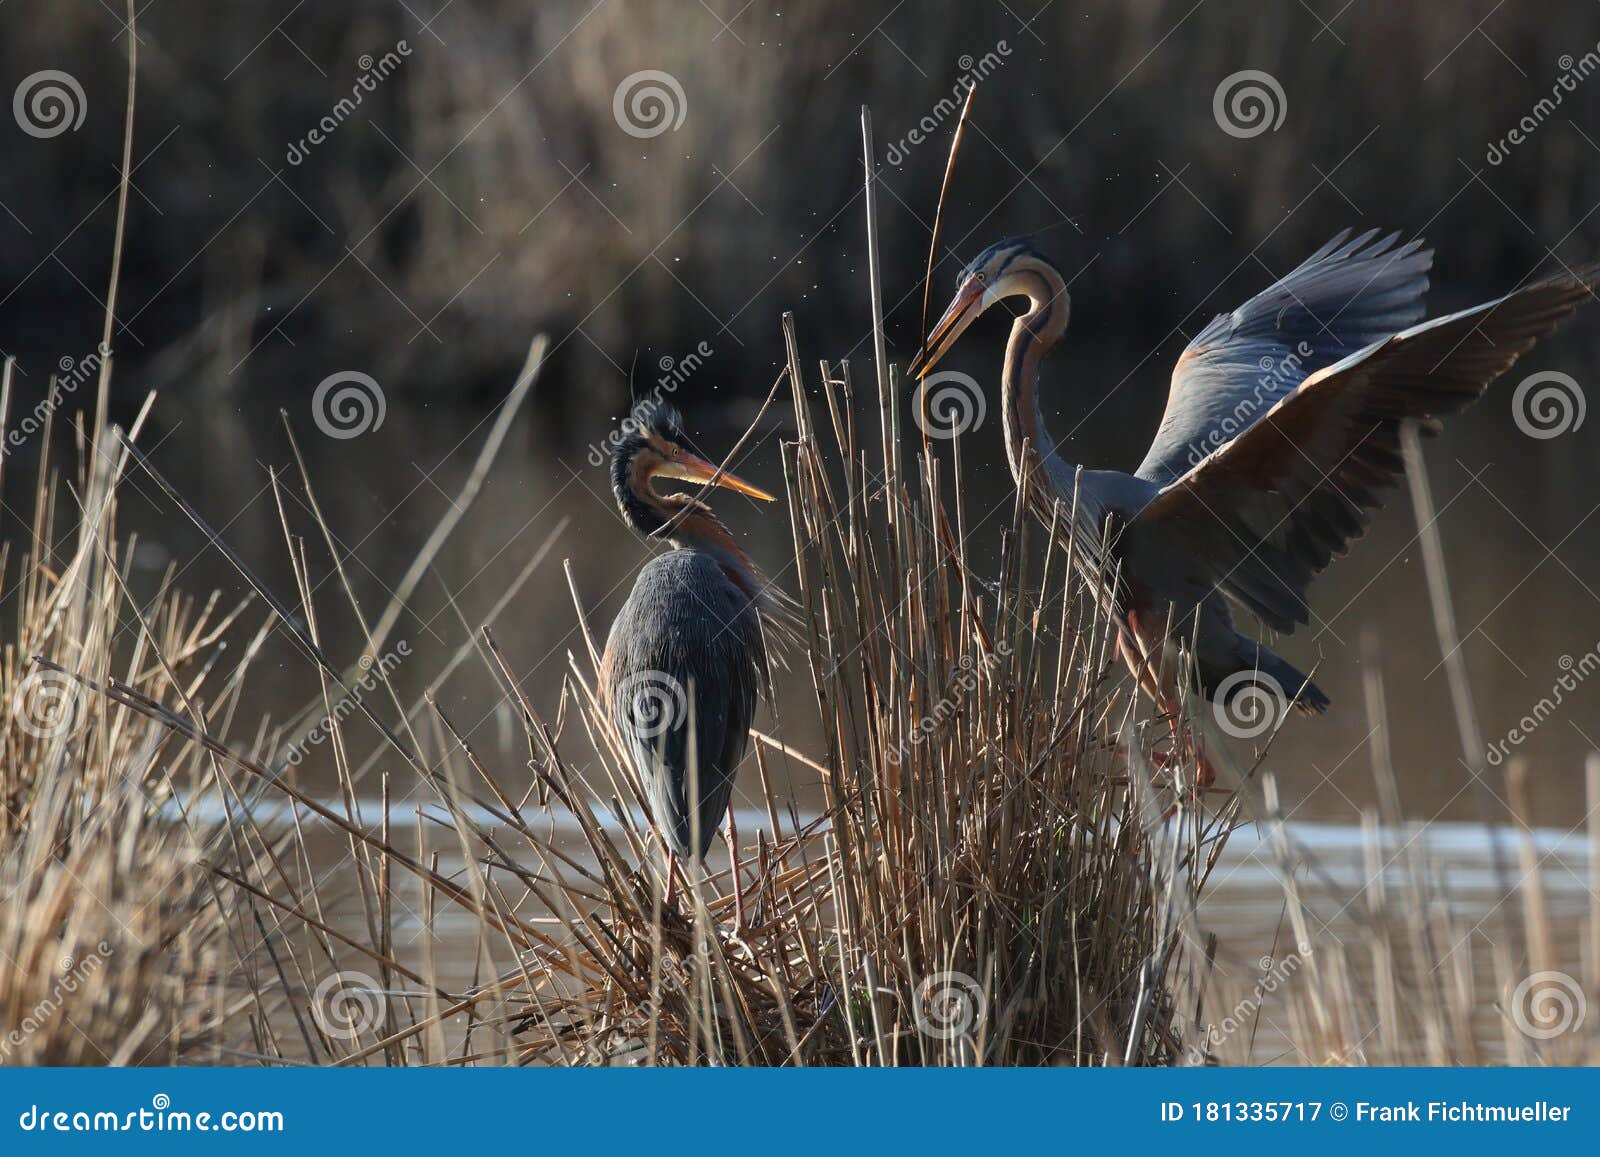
point(681, 670)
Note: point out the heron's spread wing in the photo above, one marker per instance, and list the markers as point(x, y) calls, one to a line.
point(1344, 297)
point(1259, 517)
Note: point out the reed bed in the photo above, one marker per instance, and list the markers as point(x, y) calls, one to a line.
point(1403, 969)
point(987, 880)
point(977, 867)
point(113, 937)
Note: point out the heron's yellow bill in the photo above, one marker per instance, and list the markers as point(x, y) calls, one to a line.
point(969, 302)
point(691, 468)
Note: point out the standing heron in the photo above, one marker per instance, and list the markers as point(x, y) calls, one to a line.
point(687, 653)
point(1280, 437)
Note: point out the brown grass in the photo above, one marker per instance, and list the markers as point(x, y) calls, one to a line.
point(111, 935)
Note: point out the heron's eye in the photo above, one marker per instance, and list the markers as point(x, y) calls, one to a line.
point(980, 277)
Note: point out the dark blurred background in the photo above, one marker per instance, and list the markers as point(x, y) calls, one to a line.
point(494, 181)
point(483, 191)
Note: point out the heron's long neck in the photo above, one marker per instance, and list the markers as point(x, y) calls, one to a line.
point(701, 530)
point(1028, 444)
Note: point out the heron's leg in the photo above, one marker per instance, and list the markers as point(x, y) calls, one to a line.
point(732, 833)
point(1184, 748)
point(672, 879)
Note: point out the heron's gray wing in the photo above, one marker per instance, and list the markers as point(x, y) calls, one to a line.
point(680, 673)
point(1344, 297)
point(1262, 515)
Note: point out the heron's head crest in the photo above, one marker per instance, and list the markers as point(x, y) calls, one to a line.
point(661, 418)
point(994, 261)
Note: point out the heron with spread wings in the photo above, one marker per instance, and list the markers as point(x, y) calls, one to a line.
point(1280, 437)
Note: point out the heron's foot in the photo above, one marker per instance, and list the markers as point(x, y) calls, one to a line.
point(1183, 754)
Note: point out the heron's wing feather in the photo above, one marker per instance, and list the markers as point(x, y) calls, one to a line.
point(682, 665)
point(1265, 513)
point(1344, 297)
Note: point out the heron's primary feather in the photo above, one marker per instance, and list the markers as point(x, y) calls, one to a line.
point(1345, 296)
point(1269, 510)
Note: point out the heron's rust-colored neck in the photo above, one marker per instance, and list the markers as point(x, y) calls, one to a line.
point(1028, 444)
point(690, 525)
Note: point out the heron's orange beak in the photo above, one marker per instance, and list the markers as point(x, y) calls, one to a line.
point(970, 301)
point(692, 468)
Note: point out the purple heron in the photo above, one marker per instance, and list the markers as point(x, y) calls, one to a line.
point(687, 653)
point(1254, 481)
